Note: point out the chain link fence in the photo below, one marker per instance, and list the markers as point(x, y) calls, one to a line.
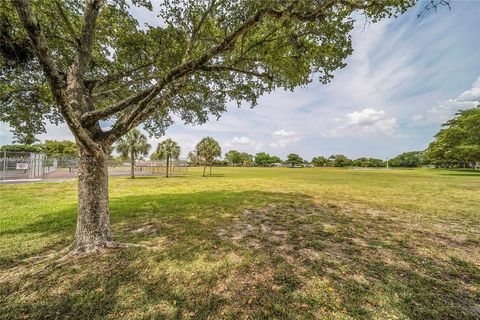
point(26, 165)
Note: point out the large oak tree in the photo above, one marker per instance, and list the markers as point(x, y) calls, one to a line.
point(85, 62)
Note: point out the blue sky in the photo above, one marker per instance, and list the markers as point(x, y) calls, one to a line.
point(406, 77)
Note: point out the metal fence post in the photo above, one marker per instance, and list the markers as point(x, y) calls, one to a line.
point(4, 165)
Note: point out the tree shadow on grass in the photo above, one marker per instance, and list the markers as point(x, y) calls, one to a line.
point(257, 254)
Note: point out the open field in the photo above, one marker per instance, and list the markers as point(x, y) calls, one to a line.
point(252, 243)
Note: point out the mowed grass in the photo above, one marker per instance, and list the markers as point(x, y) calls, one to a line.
point(251, 243)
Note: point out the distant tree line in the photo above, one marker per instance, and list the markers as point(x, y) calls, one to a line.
point(456, 145)
point(51, 148)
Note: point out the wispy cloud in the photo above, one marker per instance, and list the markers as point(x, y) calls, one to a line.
point(444, 110)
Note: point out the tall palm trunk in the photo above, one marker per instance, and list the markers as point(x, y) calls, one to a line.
point(132, 167)
point(168, 164)
point(204, 168)
point(210, 168)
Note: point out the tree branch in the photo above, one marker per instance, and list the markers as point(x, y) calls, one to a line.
point(92, 83)
point(235, 69)
point(140, 114)
point(85, 47)
point(143, 99)
point(196, 30)
point(39, 42)
point(65, 19)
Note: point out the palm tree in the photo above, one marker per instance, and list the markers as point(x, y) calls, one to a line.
point(208, 149)
point(167, 149)
point(133, 145)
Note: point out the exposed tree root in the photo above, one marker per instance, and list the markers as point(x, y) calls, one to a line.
point(52, 260)
point(98, 248)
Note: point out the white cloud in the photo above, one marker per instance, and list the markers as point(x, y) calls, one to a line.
point(284, 134)
point(471, 95)
point(366, 121)
point(445, 110)
point(243, 143)
point(283, 138)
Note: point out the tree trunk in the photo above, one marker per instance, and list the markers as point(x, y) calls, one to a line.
point(132, 167)
point(168, 164)
point(93, 220)
point(204, 168)
point(210, 168)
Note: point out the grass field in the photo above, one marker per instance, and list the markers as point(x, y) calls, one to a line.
point(251, 243)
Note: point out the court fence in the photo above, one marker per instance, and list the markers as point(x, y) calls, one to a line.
point(27, 165)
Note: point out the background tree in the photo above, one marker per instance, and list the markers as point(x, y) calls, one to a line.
point(234, 157)
point(133, 145)
point(60, 149)
point(247, 159)
point(208, 149)
point(458, 143)
point(22, 148)
point(320, 161)
point(339, 160)
point(96, 62)
point(275, 159)
point(262, 159)
point(24, 138)
point(294, 159)
point(193, 158)
point(410, 159)
point(167, 149)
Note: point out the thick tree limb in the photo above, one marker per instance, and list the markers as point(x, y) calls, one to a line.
point(140, 114)
point(84, 54)
point(95, 115)
point(39, 42)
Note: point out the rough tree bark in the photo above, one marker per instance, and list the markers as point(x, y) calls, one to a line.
point(93, 220)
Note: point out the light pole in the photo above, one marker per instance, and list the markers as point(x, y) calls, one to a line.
point(387, 163)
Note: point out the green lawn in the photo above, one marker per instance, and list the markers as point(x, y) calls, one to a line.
point(256, 243)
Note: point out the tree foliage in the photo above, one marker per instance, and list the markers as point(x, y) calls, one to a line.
point(235, 158)
point(208, 149)
point(22, 148)
point(133, 145)
point(320, 161)
point(264, 159)
point(458, 143)
point(410, 159)
point(368, 162)
point(193, 158)
point(339, 160)
point(60, 149)
point(166, 149)
point(294, 159)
